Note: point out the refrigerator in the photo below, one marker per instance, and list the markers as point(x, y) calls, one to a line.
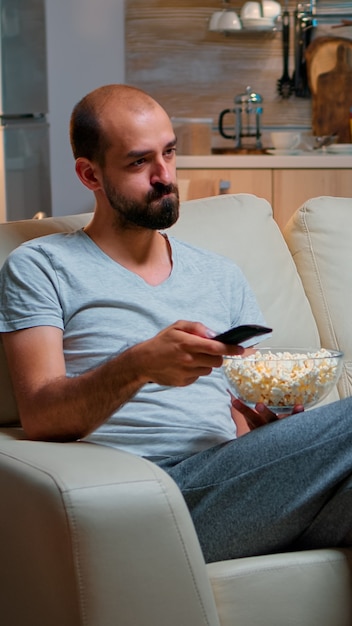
point(25, 189)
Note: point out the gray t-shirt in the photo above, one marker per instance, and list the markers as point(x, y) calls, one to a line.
point(66, 281)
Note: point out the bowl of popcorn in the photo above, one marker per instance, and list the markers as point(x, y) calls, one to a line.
point(282, 378)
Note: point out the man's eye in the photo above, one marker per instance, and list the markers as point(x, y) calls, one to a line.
point(138, 162)
point(170, 151)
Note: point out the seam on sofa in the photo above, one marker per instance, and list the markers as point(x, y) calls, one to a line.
point(77, 552)
point(57, 478)
point(342, 384)
point(64, 493)
point(72, 523)
point(283, 567)
point(319, 282)
point(184, 550)
point(60, 492)
point(75, 536)
point(70, 518)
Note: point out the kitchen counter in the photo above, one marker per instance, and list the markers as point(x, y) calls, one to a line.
point(286, 181)
point(305, 160)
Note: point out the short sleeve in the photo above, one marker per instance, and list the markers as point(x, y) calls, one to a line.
point(29, 291)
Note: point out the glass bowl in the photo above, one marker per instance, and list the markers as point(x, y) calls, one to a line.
point(282, 378)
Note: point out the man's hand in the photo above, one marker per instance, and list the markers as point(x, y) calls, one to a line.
point(181, 353)
point(257, 417)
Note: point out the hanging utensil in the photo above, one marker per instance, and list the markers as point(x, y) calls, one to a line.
point(285, 84)
point(304, 27)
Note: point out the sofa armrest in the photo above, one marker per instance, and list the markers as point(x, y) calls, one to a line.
point(93, 535)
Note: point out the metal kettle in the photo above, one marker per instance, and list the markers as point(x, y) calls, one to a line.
point(248, 111)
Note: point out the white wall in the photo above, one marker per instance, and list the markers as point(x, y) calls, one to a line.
point(85, 40)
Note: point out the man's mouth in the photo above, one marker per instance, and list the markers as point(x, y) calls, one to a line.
point(160, 191)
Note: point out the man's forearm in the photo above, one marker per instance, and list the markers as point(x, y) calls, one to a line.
point(55, 407)
point(70, 408)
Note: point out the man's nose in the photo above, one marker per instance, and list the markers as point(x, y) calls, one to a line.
point(160, 173)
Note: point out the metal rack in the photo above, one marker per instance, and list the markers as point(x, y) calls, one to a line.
point(307, 16)
point(310, 15)
point(333, 13)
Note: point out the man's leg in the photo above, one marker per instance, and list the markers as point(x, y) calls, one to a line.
point(284, 486)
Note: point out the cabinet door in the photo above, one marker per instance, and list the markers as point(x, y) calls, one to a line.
point(205, 183)
point(291, 188)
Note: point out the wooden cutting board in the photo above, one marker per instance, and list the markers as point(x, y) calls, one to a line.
point(321, 56)
point(333, 99)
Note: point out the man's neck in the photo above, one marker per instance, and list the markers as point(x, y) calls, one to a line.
point(144, 252)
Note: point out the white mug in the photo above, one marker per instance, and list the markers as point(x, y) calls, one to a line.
point(251, 10)
point(285, 140)
point(229, 21)
point(271, 8)
point(214, 20)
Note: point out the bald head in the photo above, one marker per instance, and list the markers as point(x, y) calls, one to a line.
point(122, 97)
point(90, 118)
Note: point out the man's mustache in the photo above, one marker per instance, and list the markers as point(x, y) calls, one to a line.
point(159, 191)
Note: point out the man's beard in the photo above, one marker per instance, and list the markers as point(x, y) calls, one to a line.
point(157, 211)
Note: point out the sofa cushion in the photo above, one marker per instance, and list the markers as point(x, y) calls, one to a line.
point(241, 227)
point(299, 588)
point(319, 236)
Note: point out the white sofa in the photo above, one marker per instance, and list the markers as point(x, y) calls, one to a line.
point(96, 537)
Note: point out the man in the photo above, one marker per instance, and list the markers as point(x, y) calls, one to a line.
point(88, 322)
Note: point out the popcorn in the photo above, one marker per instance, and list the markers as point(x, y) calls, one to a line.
point(282, 379)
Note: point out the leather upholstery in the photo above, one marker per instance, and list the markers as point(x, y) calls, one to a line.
point(310, 588)
point(91, 536)
point(242, 228)
point(97, 537)
point(319, 236)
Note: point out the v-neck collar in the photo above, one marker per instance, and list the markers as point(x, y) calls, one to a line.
point(98, 251)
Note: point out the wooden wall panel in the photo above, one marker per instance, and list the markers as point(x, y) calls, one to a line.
point(195, 73)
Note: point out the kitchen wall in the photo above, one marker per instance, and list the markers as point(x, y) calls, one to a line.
point(85, 40)
point(169, 52)
point(194, 72)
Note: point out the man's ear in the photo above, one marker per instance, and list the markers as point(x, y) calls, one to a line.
point(88, 173)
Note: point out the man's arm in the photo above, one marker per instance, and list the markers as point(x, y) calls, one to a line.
point(53, 406)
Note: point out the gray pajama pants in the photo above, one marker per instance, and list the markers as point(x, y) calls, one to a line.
point(285, 486)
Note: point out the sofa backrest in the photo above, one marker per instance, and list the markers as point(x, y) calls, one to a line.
point(319, 236)
point(239, 226)
point(12, 234)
